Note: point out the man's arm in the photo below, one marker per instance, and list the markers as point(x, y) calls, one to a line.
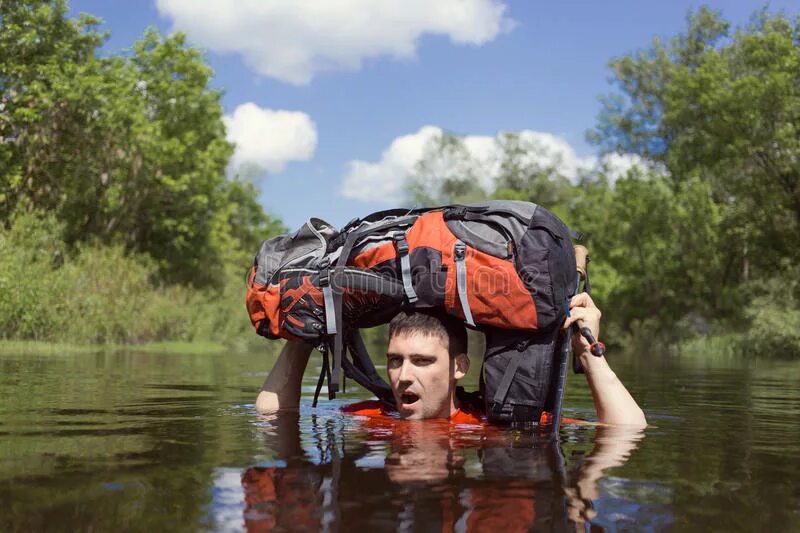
point(612, 401)
point(281, 389)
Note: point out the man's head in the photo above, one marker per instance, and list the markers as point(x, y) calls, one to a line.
point(427, 354)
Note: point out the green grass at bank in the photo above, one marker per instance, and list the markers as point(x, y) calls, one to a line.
point(255, 345)
point(98, 297)
point(26, 347)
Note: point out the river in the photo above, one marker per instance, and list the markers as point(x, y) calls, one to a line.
point(153, 442)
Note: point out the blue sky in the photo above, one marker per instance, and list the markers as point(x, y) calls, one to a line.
point(535, 66)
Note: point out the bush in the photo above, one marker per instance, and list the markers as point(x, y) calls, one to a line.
point(101, 295)
point(31, 294)
point(774, 315)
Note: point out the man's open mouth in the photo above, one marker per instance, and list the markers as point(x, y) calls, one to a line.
point(407, 398)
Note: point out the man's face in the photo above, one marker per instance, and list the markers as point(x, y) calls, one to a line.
point(422, 375)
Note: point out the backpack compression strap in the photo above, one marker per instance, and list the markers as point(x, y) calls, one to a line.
point(337, 283)
point(363, 371)
point(360, 369)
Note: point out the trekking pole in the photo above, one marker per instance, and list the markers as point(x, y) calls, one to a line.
point(581, 258)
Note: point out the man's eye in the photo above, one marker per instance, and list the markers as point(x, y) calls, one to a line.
point(394, 362)
point(423, 361)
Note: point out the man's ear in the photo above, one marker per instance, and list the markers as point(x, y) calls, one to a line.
point(462, 366)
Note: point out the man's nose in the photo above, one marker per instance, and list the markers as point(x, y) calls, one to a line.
point(406, 372)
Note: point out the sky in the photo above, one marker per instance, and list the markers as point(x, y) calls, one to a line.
point(331, 102)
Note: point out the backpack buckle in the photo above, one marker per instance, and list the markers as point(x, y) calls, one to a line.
point(401, 243)
point(324, 273)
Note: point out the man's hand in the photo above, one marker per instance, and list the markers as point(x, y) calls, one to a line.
point(612, 401)
point(584, 311)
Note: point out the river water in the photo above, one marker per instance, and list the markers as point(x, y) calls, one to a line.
point(152, 442)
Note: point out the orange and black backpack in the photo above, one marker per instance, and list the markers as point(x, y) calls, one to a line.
point(506, 268)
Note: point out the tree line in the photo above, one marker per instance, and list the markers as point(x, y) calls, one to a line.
point(118, 223)
point(114, 201)
point(701, 238)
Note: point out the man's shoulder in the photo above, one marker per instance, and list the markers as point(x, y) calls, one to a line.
point(375, 408)
point(467, 416)
point(467, 413)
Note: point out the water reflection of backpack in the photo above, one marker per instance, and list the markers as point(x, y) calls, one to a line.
point(506, 268)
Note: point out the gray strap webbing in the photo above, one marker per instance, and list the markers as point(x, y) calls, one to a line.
point(330, 315)
point(505, 383)
point(327, 296)
point(461, 281)
point(405, 267)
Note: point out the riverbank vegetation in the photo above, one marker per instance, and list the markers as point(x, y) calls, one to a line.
point(118, 223)
point(700, 237)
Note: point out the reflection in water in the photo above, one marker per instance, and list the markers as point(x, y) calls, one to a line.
point(612, 447)
point(155, 442)
point(429, 475)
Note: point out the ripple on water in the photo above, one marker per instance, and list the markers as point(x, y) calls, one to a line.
point(169, 442)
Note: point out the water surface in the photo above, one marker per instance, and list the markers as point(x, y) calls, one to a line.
point(129, 441)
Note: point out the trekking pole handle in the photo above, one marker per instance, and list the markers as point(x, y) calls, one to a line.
point(597, 348)
point(581, 259)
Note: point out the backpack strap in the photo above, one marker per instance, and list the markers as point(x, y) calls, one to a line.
point(505, 383)
point(461, 281)
point(405, 268)
point(327, 296)
point(326, 371)
point(363, 371)
point(564, 353)
point(337, 283)
point(338, 341)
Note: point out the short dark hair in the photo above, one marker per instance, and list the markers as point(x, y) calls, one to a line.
point(435, 324)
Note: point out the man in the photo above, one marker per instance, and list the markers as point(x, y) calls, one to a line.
point(427, 356)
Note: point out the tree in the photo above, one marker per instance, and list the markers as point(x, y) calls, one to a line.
point(40, 51)
point(513, 169)
point(447, 173)
point(128, 149)
point(723, 108)
point(526, 172)
point(660, 249)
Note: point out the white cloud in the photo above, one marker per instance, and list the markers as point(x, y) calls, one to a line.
point(385, 180)
point(548, 151)
point(292, 40)
point(617, 166)
point(267, 139)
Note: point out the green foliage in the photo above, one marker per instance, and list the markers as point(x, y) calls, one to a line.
point(719, 110)
point(522, 177)
point(774, 315)
point(724, 108)
point(103, 295)
point(446, 174)
point(31, 301)
point(118, 223)
point(697, 242)
point(125, 149)
point(449, 173)
point(658, 245)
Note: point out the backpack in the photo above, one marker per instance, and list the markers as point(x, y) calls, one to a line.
point(506, 268)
